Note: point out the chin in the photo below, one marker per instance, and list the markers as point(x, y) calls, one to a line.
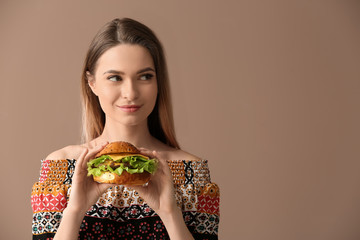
point(130, 121)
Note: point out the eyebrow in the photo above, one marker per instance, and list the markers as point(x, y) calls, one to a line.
point(140, 71)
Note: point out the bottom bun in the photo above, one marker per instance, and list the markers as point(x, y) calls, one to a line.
point(124, 179)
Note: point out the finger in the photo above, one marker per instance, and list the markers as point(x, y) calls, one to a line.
point(147, 152)
point(81, 159)
point(93, 151)
point(79, 169)
point(141, 189)
point(87, 154)
point(157, 156)
point(163, 165)
point(104, 186)
point(143, 149)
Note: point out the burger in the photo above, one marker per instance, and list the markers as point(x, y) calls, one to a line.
point(121, 163)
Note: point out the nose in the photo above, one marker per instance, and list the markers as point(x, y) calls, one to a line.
point(129, 89)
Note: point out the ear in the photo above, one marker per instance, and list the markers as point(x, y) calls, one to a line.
point(91, 81)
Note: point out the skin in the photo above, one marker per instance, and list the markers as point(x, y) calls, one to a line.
point(135, 85)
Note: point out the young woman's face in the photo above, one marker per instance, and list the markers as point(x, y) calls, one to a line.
point(125, 83)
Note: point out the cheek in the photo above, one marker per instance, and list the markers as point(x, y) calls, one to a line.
point(107, 95)
point(149, 96)
point(152, 94)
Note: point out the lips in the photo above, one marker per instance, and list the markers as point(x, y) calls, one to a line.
point(129, 108)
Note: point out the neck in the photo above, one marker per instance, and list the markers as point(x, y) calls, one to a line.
point(139, 135)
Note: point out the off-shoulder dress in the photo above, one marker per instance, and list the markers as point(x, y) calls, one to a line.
point(120, 213)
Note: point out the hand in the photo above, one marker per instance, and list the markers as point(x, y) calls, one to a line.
point(159, 194)
point(84, 190)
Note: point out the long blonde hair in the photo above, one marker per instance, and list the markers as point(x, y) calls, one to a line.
point(120, 31)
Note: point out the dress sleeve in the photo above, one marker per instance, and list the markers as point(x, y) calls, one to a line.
point(197, 196)
point(49, 196)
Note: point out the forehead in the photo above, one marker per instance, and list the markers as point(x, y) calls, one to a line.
point(127, 58)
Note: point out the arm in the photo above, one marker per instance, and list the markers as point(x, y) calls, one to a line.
point(159, 195)
point(70, 225)
point(84, 193)
point(175, 225)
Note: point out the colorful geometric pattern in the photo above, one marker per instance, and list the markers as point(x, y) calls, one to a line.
point(94, 228)
point(120, 196)
point(187, 197)
point(120, 212)
point(46, 222)
point(207, 223)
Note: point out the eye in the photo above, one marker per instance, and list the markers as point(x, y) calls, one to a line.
point(146, 76)
point(114, 78)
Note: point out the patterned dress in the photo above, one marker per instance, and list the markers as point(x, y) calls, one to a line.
point(120, 213)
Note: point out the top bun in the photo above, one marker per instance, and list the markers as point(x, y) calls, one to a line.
point(118, 147)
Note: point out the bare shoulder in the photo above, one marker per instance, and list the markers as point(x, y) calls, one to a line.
point(177, 154)
point(68, 152)
point(169, 153)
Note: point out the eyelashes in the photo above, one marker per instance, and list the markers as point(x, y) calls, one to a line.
point(144, 77)
point(114, 78)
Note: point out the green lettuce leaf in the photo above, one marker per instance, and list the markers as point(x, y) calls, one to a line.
point(95, 162)
point(119, 170)
point(138, 164)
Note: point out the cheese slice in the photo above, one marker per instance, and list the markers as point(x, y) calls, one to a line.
point(118, 156)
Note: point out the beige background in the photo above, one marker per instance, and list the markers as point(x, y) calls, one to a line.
point(268, 91)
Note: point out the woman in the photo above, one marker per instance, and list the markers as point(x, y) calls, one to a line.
point(125, 93)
